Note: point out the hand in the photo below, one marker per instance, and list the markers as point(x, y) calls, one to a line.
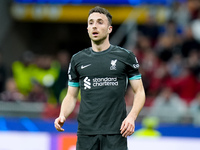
point(128, 126)
point(59, 123)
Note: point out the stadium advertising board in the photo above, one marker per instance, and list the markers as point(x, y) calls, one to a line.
point(10, 140)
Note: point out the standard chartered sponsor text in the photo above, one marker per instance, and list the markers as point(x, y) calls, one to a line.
point(105, 81)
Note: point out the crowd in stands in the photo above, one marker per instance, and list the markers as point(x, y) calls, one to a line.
point(169, 57)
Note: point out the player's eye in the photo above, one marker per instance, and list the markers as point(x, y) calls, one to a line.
point(100, 22)
point(90, 22)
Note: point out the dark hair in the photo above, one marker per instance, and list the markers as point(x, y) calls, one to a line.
point(101, 10)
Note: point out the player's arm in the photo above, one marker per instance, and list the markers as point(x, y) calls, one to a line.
point(67, 107)
point(128, 125)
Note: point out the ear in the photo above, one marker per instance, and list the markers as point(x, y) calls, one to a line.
point(110, 29)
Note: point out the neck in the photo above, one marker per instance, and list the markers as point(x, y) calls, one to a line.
point(100, 45)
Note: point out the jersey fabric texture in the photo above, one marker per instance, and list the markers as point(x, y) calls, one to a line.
point(102, 78)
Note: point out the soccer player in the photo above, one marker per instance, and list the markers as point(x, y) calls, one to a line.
point(102, 73)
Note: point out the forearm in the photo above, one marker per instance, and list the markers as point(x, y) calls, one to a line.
point(128, 125)
point(138, 103)
point(67, 106)
point(139, 98)
point(69, 102)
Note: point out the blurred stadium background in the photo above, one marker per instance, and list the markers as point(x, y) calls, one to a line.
point(38, 38)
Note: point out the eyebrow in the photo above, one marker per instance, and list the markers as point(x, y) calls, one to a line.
point(97, 20)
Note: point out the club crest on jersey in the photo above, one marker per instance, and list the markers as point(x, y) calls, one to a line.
point(113, 64)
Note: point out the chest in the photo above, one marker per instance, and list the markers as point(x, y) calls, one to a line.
point(101, 66)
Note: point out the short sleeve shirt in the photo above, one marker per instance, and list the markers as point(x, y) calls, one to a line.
point(102, 78)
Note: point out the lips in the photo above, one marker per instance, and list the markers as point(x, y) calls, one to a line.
point(95, 33)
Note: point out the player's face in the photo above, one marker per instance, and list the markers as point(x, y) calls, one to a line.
point(98, 27)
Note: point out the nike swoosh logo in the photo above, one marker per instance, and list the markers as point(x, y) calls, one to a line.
point(82, 67)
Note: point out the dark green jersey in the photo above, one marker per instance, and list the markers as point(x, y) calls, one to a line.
point(102, 77)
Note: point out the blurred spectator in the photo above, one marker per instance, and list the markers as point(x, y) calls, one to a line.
point(150, 29)
point(63, 57)
point(2, 74)
point(185, 85)
point(171, 28)
point(11, 92)
point(193, 7)
point(168, 107)
point(180, 14)
point(195, 109)
point(22, 72)
point(175, 65)
point(195, 26)
point(149, 125)
point(37, 94)
point(189, 43)
point(159, 79)
point(42, 69)
point(149, 64)
point(164, 47)
point(46, 71)
point(194, 63)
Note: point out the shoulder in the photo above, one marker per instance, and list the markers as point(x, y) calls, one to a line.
point(122, 51)
point(81, 53)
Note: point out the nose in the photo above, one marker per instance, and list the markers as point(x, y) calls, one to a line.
point(94, 26)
